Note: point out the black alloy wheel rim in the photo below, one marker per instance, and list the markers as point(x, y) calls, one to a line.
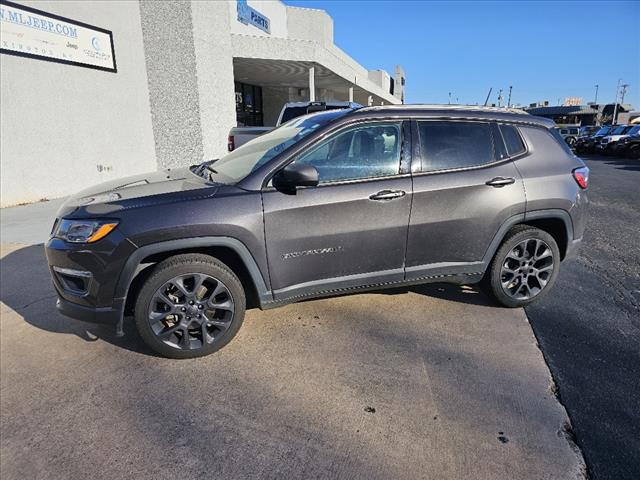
point(191, 311)
point(527, 269)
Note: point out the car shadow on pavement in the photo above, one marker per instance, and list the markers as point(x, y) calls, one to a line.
point(27, 289)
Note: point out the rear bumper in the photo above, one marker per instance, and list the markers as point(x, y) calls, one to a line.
point(100, 315)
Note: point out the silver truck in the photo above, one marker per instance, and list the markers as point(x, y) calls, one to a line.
point(240, 135)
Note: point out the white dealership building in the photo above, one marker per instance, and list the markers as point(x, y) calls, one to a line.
point(96, 90)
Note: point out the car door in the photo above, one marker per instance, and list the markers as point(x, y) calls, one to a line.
point(351, 229)
point(465, 187)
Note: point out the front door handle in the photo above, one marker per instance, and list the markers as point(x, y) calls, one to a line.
point(387, 195)
point(499, 182)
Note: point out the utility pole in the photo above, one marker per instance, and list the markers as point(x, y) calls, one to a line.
point(449, 98)
point(509, 102)
point(500, 98)
point(615, 108)
point(624, 90)
point(596, 100)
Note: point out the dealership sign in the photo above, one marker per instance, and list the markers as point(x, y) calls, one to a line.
point(27, 32)
point(250, 16)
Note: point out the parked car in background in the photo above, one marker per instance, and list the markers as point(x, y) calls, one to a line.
point(588, 130)
point(628, 146)
point(569, 134)
point(240, 135)
point(587, 144)
point(584, 134)
point(608, 142)
point(329, 203)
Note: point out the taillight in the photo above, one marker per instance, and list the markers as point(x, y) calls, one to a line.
point(231, 143)
point(581, 175)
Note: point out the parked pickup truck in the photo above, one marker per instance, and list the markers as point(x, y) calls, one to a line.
point(240, 135)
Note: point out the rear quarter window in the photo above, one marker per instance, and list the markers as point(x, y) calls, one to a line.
point(512, 139)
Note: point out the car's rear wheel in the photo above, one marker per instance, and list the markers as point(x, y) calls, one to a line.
point(634, 152)
point(524, 268)
point(190, 306)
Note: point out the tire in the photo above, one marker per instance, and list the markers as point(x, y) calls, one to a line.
point(506, 284)
point(634, 152)
point(190, 306)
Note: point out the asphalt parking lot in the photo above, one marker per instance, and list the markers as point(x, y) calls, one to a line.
point(434, 382)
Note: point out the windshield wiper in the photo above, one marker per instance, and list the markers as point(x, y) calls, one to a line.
point(206, 165)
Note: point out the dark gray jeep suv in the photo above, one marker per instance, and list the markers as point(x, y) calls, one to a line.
point(328, 203)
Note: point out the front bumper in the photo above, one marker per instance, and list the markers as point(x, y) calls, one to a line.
point(99, 315)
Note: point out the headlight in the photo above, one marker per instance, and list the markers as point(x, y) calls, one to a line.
point(84, 231)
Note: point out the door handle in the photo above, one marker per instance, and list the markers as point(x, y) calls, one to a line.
point(499, 182)
point(387, 195)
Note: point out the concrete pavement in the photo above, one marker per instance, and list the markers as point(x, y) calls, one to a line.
point(431, 383)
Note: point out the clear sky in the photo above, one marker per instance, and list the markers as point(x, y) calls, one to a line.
point(545, 50)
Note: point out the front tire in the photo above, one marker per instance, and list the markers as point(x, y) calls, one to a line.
point(190, 306)
point(524, 268)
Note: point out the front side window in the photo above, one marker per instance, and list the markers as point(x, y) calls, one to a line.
point(447, 145)
point(512, 140)
point(365, 151)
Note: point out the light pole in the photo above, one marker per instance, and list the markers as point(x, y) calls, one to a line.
point(449, 98)
point(509, 101)
point(596, 99)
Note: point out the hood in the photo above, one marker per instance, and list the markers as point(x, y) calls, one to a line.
point(137, 191)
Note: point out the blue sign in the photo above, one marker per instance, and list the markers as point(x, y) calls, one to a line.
point(248, 15)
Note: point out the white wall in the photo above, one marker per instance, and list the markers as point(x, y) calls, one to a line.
point(61, 123)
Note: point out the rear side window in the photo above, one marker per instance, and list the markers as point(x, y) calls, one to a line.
point(447, 145)
point(512, 140)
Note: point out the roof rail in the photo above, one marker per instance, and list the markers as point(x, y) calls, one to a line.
point(417, 106)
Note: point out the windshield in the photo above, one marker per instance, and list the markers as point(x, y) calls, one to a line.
point(618, 131)
point(603, 131)
point(634, 130)
point(241, 162)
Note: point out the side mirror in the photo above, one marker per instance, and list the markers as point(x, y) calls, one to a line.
point(296, 175)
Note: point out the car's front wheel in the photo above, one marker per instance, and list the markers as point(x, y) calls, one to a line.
point(524, 268)
point(190, 306)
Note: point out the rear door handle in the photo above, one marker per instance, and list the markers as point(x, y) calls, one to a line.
point(499, 182)
point(387, 195)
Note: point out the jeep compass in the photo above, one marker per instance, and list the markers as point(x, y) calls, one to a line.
point(328, 203)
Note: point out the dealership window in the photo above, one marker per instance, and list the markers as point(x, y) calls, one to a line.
point(448, 145)
point(367, 151)
point(248, 105)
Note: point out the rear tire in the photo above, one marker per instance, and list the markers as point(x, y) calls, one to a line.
point(190, 306)
point(524, 268)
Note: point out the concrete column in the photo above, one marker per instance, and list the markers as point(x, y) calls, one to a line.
point(351, 94)
point(312, 84)
point(370, 101)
